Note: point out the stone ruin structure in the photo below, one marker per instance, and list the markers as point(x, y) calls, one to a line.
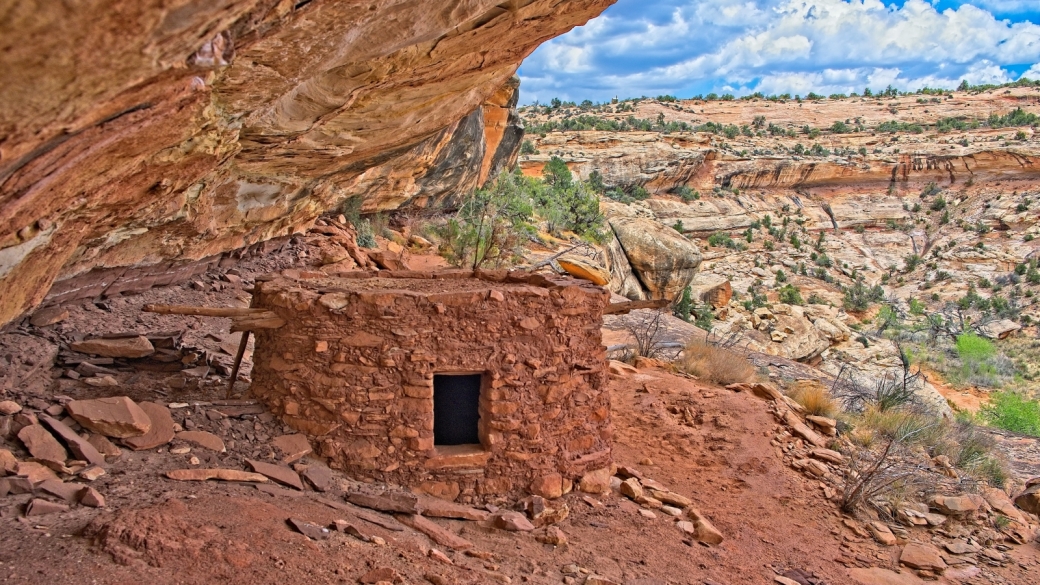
point(455, 383)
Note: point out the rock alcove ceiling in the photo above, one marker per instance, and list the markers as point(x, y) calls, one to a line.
point(165, 131)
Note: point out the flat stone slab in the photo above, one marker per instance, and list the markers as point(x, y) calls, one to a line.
point(310, 529)
point(922, 556)
point(292, 447)
point(441, 536)
point(437, 508)
point(40, 507)
point(161, 431)
point(219, 474)
point(80, 447)
point(278, 473)
point(69, 492)
point(204, 439)
point(400, 502)
point(123, 347)
point(42, 445)
point(117, 417)
point(319, 477)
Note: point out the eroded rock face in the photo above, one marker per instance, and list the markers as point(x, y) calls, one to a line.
point(136, 133)
point(661, 261)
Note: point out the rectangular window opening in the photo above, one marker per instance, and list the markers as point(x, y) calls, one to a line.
point(456, 409)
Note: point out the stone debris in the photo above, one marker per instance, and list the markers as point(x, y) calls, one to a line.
point(351, 528)
point(48, 316)
point(117, 417)
point(278, 473)
point(380, 575)
point(317, 476)
point(38, 507)
point(631, 488)
point(882, 533)
point(90, 497)
point(437, 508)
point(104, 446)
point(309, 529)
point(594, 579)
point(204, 439)
point(91, 473)
point(400, 502)
point(596, 481)
point(122, 347)
point(512, 522)
point(34, 472)
point(956, 505)
point(42, 445)
point(1029, 500)
point(7, 462)
point(80, 447)
point(922, 556)
point(439, 556)
point(703, 530)
point(66, 491)
point(161, 431)
point(8, 408)
point(15, 485)
point(218, 473)
point(292, 447)
point(552, 536)
point(437, 534)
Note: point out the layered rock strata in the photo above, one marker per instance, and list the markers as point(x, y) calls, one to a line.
point(133, 134)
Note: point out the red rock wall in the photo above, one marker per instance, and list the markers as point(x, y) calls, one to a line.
point(354, 367)
point(133, 133)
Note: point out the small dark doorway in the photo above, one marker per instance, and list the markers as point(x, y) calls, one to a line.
point(456, 409)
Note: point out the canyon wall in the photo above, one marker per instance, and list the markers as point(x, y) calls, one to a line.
point(139, 133)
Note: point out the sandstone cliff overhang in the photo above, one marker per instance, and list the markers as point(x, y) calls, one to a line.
point(133, 133)
point(364, 363)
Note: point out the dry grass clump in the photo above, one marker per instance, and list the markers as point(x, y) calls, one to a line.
point(816, 400)
point(715, 364)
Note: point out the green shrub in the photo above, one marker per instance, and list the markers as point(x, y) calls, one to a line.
point(365, 237)
point(1014, 412)
point(491, 225)
point(859, 296)
point(971, 347)
point(684, 305)
point(528, 148)
point(789, 294)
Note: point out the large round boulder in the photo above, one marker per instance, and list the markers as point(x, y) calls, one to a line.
point(663, 261)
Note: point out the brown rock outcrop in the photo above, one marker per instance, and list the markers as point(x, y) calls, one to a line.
point(135, 134)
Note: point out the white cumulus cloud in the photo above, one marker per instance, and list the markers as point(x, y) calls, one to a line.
point(777, 46)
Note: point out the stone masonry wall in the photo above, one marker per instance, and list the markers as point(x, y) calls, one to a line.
point(354, 365)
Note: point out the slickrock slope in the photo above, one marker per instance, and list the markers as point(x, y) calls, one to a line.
point(132, 133)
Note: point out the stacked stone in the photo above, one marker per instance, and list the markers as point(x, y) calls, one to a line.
point(354, 367)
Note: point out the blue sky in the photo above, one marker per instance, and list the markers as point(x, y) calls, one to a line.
point(689, 47)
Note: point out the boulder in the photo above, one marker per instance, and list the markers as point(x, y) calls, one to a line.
point(955, 505)
point(713, 289)
point(581, 269)
point(924, 557)
point(662, 260)
point(596, 481)
point(117, 417)
point(703, 530)
point(1029, 500)
point(513, 522)
point(122, 347)
point(999, 329)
